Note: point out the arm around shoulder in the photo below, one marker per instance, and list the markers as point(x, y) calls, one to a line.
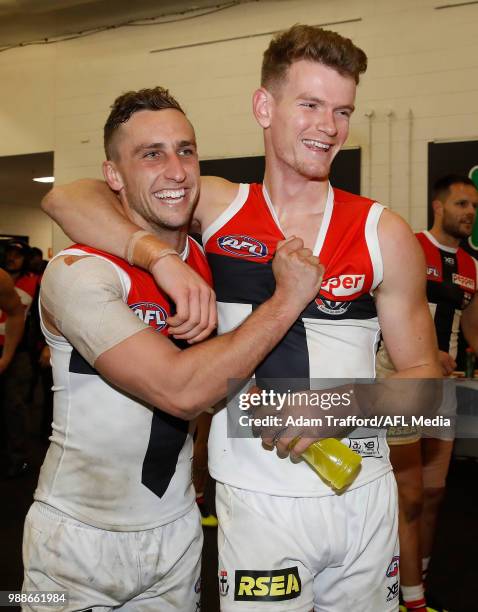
point(88, 212)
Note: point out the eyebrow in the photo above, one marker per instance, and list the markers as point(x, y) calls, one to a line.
point(320, 101)
point(162, 145)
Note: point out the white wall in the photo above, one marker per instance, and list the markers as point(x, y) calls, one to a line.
point(27, 221)
point(422, 85)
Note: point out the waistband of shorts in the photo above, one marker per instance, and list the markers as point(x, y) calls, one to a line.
point(52, 513)
point(56, 515)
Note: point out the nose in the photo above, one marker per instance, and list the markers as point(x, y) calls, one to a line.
point(326, 122)
point(174, 168)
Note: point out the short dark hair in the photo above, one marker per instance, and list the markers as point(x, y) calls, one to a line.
point(131, 102)
point(314, 44)
point(36, 251)
point(441, 187)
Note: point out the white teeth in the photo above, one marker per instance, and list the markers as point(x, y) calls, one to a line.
point(316, 144)
point(170, 194)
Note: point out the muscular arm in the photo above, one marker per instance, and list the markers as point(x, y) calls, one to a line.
point(11, 305)
point(409, 335)
point(148, 365)
point(403, 312)
point(469, 324)
point(74, 207)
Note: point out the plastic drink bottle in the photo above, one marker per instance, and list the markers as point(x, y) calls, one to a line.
point(333, 461)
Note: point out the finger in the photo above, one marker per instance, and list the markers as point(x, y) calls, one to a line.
point(202, 329)
point(301, 445)
point(212, 310)
point(271, 436)
point(291, 244)
point(182, 310)
point(304, 253)
point(212, 320)
point(282, 451)
point(194, 316)
point(204, 309)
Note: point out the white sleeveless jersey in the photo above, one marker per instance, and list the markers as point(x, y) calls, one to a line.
point(114, 462)
point(335, 337)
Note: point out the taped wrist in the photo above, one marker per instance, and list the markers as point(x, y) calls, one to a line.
point(144, 249)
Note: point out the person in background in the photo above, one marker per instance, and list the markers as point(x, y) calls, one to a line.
point(200, 469)
point(37, 263)
point(40, 352)
point(421, 459)
point(16, 384)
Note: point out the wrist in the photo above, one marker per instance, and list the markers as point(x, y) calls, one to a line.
point(144, 250)
point(287, 303)
point(284, 308)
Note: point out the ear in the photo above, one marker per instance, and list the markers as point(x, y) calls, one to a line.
point(437, 206)
point(262, 106)
point(112, 175)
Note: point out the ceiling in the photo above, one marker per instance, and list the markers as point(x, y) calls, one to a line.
point(23, 21)
point(16, 173)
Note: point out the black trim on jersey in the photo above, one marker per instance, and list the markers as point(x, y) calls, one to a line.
point(167, 437)
point(361, 308)
point(253, 282)
point(288, 360)
point(79, 365)
point(447, 296)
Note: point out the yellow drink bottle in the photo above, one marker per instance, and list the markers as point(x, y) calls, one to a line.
point(333, 461)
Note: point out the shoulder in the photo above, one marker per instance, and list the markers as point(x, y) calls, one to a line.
point(71, 274)
point(215, 196)
point(345, 197)
point(401, 251)
point(392, 227)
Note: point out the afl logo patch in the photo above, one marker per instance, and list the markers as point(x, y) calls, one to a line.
point(242, 246)
point(393, 568)
point(332, 308)
point(150, 313)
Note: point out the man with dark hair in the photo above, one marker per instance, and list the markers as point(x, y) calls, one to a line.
point(37, 263)
point(421, 459)
point(285, 537)
point(114, 523)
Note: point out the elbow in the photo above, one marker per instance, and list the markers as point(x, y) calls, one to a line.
point(180, 403)
point(184, 406)
point(49, 203)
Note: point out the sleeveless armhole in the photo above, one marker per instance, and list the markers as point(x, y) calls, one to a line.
point(233, 208)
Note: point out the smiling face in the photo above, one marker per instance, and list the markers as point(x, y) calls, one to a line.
point(458, 210)
point(156, 169)
point(306, 118)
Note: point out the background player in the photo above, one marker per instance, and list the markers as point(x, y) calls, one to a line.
point(114, 522)
point(16, 384)
point(335, 553)
point(421, 465)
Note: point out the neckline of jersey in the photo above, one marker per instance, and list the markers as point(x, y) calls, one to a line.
point(329, 205)
point(443, 247)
